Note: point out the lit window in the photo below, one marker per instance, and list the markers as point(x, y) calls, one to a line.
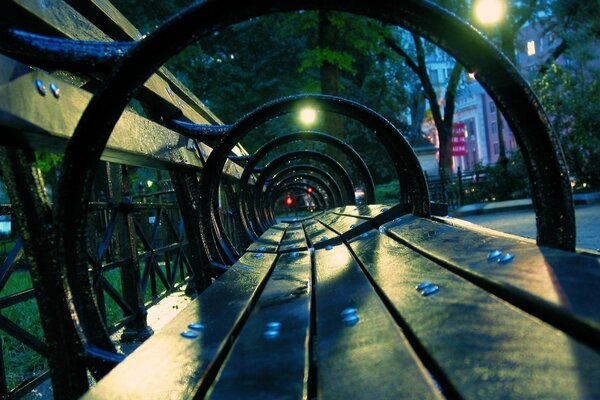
point(531, 47)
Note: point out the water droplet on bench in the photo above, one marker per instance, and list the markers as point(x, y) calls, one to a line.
point(189, 334)
point(196, 326)
point(350, 316)
point(494, 255)
point(427, 288)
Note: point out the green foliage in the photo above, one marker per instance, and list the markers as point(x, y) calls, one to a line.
point(245, 65)
point(20, 361)
point(387, 193)
point(48, 162)
point(572, 99)
point(497, 183)
point(317, 57)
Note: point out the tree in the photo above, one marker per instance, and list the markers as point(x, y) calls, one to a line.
point(571, 96)
point(575, 23)
point(443, 117)
point(248, 64)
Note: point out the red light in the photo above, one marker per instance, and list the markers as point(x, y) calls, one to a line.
point(289, 200)
point(310, 189)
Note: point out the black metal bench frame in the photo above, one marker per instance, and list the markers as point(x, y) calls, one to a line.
point(137, 62)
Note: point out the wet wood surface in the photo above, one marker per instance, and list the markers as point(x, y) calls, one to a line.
point(377, 313)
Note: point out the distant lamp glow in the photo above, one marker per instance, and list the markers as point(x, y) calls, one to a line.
point(309, 189)
point(308, 116)
point(149, 183)
point(471, 76)
point(289, 200)
point(489, 12)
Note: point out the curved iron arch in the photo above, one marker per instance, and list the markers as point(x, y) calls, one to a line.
point(316, 171)
point(317, 183)
point(335, 167)
point(306, 135)
point(301, 186)
point(552, 196)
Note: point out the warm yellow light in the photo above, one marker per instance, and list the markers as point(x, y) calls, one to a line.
point(308, 116)
point(149, 183)
point(471, 76)
point(489, 12)
point(531, 48)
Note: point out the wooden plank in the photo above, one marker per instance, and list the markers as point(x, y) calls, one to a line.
point(270, 358)
point(46, 123)
point(162, 90)
point(346, 226)
point(112, 22)
point(294, 239)
point(303, 219)
point(319, 236)
point(368, 358)
point(56, 18)
point(556, 285)
point(49, 17)
point(269, 241)
point(106, 17)
point(169, 366)
point(380, 213)
point(479, 346)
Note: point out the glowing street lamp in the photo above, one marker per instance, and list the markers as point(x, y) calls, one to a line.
point(308, 116)
point(489, 12)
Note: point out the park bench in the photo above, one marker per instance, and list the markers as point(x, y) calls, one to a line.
point(356, 300)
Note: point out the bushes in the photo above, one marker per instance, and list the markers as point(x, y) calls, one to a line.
point(487, 183)
point(498, 182)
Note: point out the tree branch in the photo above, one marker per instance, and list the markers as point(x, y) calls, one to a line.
point(451, 90)
point(410, 63)
point(557, 52)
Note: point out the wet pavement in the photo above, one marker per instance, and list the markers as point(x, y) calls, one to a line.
point(522, 223)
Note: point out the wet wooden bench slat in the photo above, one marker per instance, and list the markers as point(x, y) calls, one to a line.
point(366, 332)
point(317, 234)
point(269, 241)
point(346, 226)
point(168, 365)
point(480, 345)
point(558, 286)
point(294, 239)
point(366, 359)
point(47, 123)
point(270, 357)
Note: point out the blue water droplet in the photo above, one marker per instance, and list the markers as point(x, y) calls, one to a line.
point(196, 326)
point(189, 334)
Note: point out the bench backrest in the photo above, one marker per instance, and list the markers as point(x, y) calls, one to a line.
point(142, 243)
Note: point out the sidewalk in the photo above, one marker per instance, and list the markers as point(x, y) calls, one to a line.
point(515, 205)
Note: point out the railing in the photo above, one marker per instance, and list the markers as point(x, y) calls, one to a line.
point(137, 253)
point(453, 190)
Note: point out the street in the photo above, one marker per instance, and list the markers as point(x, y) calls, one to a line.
point(523, 223)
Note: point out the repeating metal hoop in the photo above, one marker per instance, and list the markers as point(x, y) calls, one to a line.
point(552, 197)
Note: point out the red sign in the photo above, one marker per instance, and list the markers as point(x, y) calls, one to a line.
point(459, 142)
